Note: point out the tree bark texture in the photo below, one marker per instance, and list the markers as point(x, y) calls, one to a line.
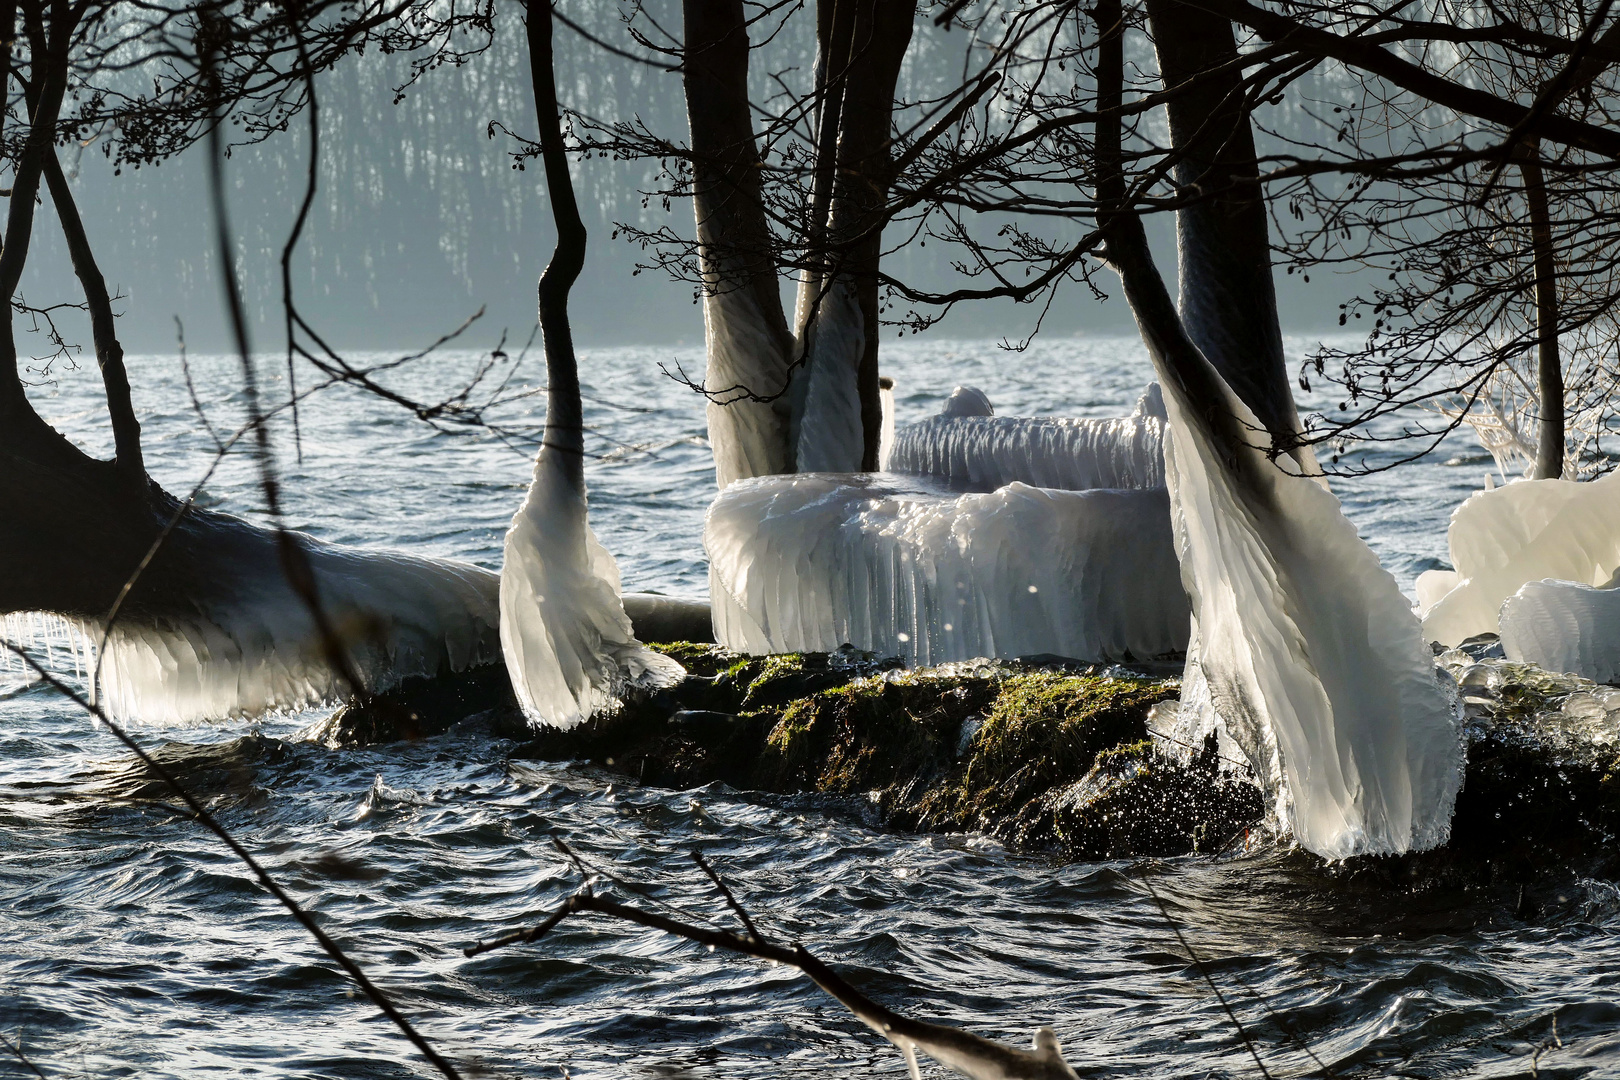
point(865, 170)
point(1228, 300)
point(1549, 365)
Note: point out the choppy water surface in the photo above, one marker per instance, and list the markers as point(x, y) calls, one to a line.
point(133, 944)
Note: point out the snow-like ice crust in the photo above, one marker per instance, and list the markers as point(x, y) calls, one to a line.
point(1565, 626)
point(903, 566)
point(973, 450)
point(1304, 649)
point(397, 615)
point(1525, 531)
point(568, 643)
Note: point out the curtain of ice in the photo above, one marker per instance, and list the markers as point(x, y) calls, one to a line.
point(905, 567)
point(970, 448)
point(1523, 532)
point(569, 645)
point(256, 649)
point(747, 358)
point(1307, 654)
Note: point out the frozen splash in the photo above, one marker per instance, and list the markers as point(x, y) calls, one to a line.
point(1523, 532)
point(1305, 653)
point(258, 651)
point(903, 566)
point(1565, 626)
point(568, 643)
point(974, 450)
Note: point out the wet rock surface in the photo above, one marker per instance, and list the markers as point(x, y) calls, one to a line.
point(1050, 756)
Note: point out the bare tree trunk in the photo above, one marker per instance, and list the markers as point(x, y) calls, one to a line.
point(1162, 327)
point(1228, 300)
point(50, 75)
point(749, 343)
point(565, 431)
point(1549, 366)
point(109, 351)
point(837, 316)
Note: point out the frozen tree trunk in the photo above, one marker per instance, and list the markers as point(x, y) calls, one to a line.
point(749, 344)
point(838, 407)
point(1549, 365)
point(841, 424)
point(1228, 301)
point(1308, 656)
point(568, 643)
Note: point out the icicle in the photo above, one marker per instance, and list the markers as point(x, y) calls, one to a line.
point(256, 650)
point(909, 1049)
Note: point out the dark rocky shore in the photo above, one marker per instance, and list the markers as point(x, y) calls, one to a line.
point(1048, 757)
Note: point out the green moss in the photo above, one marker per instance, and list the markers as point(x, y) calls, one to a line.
point(1043, 730)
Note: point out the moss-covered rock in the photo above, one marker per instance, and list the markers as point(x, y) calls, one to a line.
point(1049, 758)
point(1052, 760)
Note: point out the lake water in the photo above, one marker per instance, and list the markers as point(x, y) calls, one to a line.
point(134, 944)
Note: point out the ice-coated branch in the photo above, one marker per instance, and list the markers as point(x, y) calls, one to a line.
point(970, 1055)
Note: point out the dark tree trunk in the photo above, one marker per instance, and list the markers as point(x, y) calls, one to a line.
point(103, 332)
point(1549, 365)
point(1228, 300)
point(1162, 327)
point(565, 434)
point(865, 170)
point(49, 75)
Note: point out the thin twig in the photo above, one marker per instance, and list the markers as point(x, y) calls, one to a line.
point(1202, 970)
point(731, 901)
point(212, 823)
point(16, 1050)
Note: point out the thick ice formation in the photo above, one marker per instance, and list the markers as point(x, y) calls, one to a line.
point(1307, 655)
point(1565, 626)
point(827, 427)
point(973, 450)
point(397, 615)
point(1523, 532)
point(903, 566)
point(745, 356)
point(569, 645)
